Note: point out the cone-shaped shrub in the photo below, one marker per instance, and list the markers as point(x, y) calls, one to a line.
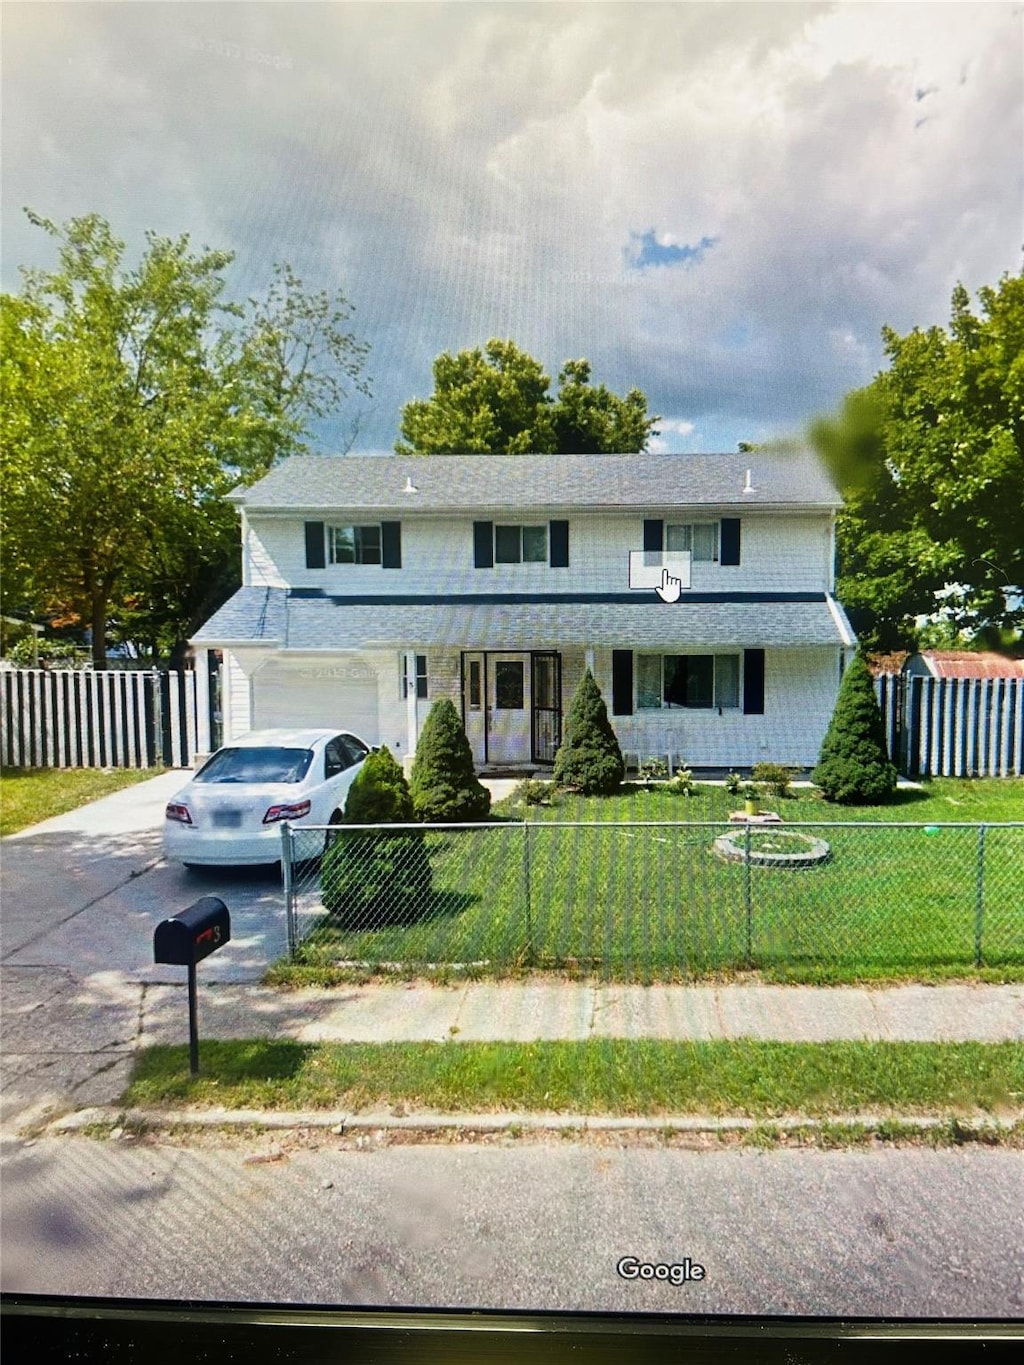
point(444, 785)
point(589, 759)
point(854, 767)
point(380, 794)
point(369, 878)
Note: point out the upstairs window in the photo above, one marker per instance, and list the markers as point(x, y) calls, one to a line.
point(520, 544)
point(699, 537)
point(353, 544)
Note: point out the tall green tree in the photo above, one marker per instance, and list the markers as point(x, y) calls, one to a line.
point(930, 459)
point(134, 398)
point(496, 401)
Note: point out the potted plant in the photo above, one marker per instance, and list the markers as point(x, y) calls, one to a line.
point(751, 796)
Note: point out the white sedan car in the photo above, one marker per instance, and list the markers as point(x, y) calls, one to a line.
point(230, 813)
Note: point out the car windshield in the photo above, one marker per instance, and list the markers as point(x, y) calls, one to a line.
point(269, 764)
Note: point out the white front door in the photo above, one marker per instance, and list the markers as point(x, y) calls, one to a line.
point(508, 706)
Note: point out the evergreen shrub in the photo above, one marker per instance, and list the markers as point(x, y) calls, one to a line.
point(372, 877)
point(854, 767)
point(444, 785)
point(589, 759)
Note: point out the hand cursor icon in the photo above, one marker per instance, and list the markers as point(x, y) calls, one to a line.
point(669, 588)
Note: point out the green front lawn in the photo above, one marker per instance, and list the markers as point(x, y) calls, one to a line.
point(28, 795)
point(624, 900)
point(941, 800)
point(600, 1076)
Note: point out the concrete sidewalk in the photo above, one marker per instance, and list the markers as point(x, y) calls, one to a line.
point(549, 1008)
point(70, 1042)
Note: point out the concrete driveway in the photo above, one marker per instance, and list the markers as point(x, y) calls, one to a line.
point(84, 891)
point(81, 895)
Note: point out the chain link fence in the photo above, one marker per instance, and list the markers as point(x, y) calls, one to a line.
point(658, 901)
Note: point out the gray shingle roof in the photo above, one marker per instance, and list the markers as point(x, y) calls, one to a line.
point(252, 615)
point(331, 624)
point(494, 482)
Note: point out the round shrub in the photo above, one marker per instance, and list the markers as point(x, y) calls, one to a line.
point(380, 794)
point(775, 776)
point(374, 877)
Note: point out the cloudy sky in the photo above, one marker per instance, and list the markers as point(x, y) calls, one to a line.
point(719, 203)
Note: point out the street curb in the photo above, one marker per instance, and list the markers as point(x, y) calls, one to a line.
point(340, 1122)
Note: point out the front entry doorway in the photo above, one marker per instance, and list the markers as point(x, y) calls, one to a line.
point(511, 707)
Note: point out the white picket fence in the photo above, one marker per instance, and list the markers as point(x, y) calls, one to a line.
point(953, 727)
point(60, 718)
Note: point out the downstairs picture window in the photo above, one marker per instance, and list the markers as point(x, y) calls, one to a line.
point(694, 680)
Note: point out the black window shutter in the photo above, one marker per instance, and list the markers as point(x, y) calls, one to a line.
point(391, 544)
point(622, 682)
point(654, 535)
point(315, 545)
point(558, 541)
point(753, 682)
point(730, 544)
point(483, 544)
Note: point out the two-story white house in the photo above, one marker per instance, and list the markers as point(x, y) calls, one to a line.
point(698, 589)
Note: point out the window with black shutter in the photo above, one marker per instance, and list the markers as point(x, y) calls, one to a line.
point(558, 537)
point(730, 538)
point(315, 558)
point(483, 544)
point(622, 682)
point(391, 544)
point(753, 682)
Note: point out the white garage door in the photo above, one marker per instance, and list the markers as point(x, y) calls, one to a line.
point(342, 695)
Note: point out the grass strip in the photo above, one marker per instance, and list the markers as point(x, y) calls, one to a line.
point(28, 795)
point(599, 1076)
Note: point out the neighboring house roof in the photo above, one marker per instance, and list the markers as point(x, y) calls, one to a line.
point(962, 663)
point(310, 622)
point(460, 483)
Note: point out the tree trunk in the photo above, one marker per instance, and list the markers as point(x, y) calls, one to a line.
point(99, 630)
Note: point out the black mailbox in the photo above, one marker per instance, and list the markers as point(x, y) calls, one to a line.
point(192, 934)
point(186, 939)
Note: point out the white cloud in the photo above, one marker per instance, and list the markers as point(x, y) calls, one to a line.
point(468, 171)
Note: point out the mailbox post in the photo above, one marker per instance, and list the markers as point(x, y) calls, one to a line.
point(184, 940)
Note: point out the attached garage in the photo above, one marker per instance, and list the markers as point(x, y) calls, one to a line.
point(290, 692)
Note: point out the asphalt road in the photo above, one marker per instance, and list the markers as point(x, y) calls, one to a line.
point(899, 1233)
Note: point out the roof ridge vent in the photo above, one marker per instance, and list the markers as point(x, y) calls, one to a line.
point(748, 487)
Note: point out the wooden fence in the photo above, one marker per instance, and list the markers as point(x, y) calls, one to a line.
point(61, 718)
point(953, 727)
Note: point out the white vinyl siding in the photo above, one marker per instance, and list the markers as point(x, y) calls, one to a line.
point(783, 553)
